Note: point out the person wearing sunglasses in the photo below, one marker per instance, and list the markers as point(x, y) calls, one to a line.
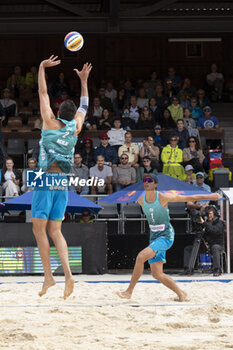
point(127, 122)
point(86, 217)
point(124, 174)
point(192, 154)
point(146, 168)
point(181, 133)
point(155, 206)
point(172, 157)
point(108, 152)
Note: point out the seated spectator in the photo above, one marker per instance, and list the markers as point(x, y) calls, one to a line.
point(87, 152)
point(190, 176)
point(145, 169)
point(86, 217)
point(116, 134)
point(161, 98)
point(61, 85)
point(202, 99)
point(148, 90)
point(145, 120)
point(196, 110)
point(31, 79)
point(172, 157)
point(188, 89)
point(119, 103)
point(215, 81)
point(105, 102)
point(181, 133)
point(208, 121)
point(90, 122)
point(130, 149)
point(169, 89)
point(159, 140)
point(110, 92)
point(129, 90)
point(81, 171)
point(62, 97)
point(184, 103)
point(189, 123)
point(154, 81)
point(167, 122)
point(104, 172)
point(124, 174)
point(192, 154)
point(9, 106)
point(127, 122)
point(134, 110)
point(16, 82)
point(95, 110)
point(105, 121)
point(11, 179)
point(155, 110)
point(150, 150)
point(142, 99)
point(32, 165)
point(108, 152)
point(199, 205)
point(176, 80)
point(175, 109)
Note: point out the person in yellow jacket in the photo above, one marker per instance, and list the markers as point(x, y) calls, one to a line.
point(31, 79)
point(171, 157)
point(176, 109)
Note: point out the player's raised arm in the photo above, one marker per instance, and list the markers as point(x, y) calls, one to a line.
point(173, 197)
point(84, 98)
point(45, 109)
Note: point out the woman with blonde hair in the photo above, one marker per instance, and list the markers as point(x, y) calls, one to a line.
point(145, 120)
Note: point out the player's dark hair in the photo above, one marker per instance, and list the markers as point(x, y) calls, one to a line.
point(67, 110)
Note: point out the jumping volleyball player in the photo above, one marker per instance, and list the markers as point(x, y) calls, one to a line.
point(155, 207)
point(59, 136)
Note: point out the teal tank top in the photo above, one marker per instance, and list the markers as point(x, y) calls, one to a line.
point(58, 146)
point(158, 219)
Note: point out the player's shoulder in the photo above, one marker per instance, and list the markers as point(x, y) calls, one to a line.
point(140, 200)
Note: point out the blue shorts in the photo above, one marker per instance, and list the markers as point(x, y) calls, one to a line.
point(159, 246)
point(49, 204)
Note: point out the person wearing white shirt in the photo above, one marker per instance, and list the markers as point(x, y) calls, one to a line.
point(110, 92)
point(101, 171)
point(134, 110)
point(116, 134)
point(215, 80)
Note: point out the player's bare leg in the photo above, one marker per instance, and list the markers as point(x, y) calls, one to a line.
point(39, 230)
point(157, 273)
point(54, 229)
point(142, 257)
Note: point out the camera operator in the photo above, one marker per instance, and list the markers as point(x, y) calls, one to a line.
point(210, 232)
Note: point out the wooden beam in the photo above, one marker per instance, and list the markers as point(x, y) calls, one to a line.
point(68, 7)
point(146, 10)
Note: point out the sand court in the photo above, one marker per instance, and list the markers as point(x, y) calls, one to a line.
point(94, 317)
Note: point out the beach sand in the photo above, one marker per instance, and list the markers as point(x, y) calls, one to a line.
point(95, 318)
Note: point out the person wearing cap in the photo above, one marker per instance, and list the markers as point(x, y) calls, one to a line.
point(202, 204)
point(189, 176)
point(159, 140)
point(208, 121)
point(116, 134)
point(172, 157)
point(9, 106)
point(87, 152)
point(108, 152)
point(130, 149)
point(155, 207)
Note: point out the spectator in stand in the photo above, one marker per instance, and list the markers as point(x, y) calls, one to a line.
point(110, 92)
point(127, 122)
point(159, 140)
point(116, 134)
point(184, 103)
point(169, 89)
point(152, 151)
point(16, 82)
point(105, 122)
point(189, 123)
point(145, 169)
point(129, 90)
point(11, 179)
point(61, 85)
point(9, 106)
point(162, 100)
point(130, 149)
point(87, 152)
point(124, 174)
point(134, 110)
point(63, 97)
point(32, 165)
point(190, 176)
point(31, 79)
point(119, 103)
point(176, 80)
point(175, 109)
point(145, 120)
point(202, 99)
point(104, 172)
point(192, 154)
point(154, 81)
point(188, 89)
point(2, 117)
point(108, 152)
point(208, 121)
point(155, 110)
point(196, 110)
point(181, 133)
point(86, 217)
point(200, 205)
point(215, 81)
point(172, 157)
point(105, 102)
point(81, 171)
point(167, 122)
point(142, 100)
point(90, 123)
point(95, 109)
point(148, 90)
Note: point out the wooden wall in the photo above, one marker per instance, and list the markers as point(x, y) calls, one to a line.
point(116, 56)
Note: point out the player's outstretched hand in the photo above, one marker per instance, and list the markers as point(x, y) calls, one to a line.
point(84, 73)
point(216, 196)
point(51, 62)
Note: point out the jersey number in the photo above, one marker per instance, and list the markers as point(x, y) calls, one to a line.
point(66, 134)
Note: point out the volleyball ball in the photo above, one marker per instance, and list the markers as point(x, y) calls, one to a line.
point(73, 41)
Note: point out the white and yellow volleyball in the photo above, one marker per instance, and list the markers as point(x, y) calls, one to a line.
point(73, 41)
